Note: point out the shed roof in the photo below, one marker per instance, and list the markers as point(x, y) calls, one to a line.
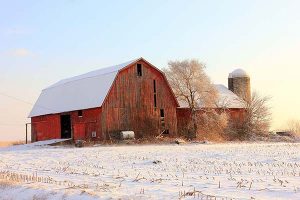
point(226, 98)
point(76, 93)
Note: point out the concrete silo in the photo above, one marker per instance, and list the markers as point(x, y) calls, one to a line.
point(239, 83)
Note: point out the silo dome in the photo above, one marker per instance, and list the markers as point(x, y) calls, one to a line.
point(238, 73)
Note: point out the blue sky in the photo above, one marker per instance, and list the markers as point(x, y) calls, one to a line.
point(44, 41)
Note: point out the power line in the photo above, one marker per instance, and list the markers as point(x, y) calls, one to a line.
point(23, 101)
point(16, 98)
point(27, 102)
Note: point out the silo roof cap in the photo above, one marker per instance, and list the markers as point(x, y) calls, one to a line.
point(238, 73)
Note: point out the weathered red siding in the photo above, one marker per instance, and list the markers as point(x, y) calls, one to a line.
point(184, 117)
point(183, 120)
point(48, 126)
point(237, 114)
point(82, 127)
point(130, 103)
point(45, 127)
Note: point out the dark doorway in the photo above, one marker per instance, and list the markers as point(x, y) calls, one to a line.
point(65, 124)
point(162, 118)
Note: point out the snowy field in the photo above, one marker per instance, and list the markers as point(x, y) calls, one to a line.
point(193, 171)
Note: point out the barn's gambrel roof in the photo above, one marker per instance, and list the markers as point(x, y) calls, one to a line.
point(81, 92)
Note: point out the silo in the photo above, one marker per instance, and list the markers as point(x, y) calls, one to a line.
point(239, 83)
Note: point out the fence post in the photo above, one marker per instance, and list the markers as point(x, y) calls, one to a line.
point(26, 133)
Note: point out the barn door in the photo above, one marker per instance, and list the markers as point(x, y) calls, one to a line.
point(164, 130)
point(65, 124)
point(79, 131)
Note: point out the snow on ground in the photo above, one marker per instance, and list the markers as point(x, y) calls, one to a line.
point(23, 193)
point(240, 171)
point(32, 145)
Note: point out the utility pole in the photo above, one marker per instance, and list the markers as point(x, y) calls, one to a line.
point(27, 131)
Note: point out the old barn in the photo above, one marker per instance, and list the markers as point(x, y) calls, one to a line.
point(133, 96)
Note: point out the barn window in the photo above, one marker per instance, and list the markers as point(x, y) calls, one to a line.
point(79, 113)
point(139, 69)
point(162, 113)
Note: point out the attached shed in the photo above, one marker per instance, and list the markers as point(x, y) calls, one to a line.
point(133, 96)
point(227, 101)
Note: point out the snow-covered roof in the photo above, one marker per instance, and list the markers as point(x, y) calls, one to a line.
point(238, 73)
point(80, 92)
point(226, 99)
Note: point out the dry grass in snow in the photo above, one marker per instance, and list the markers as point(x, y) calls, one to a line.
point(194, 171)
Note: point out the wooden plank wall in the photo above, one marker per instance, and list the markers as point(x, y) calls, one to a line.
point(130, 104)
point(184, 117)
point(48, 126)
point(89, 122)
point(45, 127)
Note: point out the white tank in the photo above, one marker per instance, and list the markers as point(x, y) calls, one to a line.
point(126, 135)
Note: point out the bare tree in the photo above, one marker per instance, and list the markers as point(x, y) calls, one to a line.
point(257, 118)
point(294, 127)
point(191, 86)
point(212, 124)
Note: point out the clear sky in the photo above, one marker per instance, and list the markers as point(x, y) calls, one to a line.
point(42, 42)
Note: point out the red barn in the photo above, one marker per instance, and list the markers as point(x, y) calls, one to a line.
point(133, 96)
point(228, 101)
